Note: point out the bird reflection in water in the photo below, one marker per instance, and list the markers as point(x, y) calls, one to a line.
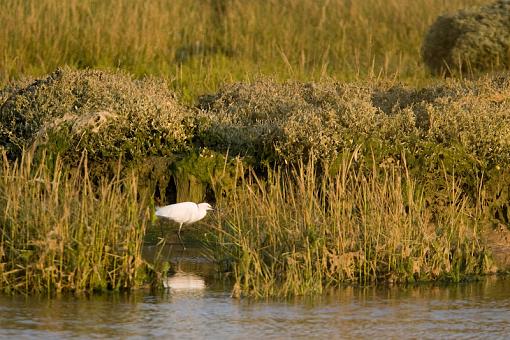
point(182, 281)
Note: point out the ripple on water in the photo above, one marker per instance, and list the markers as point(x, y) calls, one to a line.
point(191, 308)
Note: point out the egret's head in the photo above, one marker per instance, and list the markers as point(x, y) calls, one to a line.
point(205, 206)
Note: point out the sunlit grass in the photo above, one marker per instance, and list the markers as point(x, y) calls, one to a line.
point(295, 231)
point(299, 229)
point(299, 232)
point(198, 45)
point(59, 232)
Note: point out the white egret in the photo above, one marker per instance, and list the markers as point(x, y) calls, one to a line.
point(184, 213)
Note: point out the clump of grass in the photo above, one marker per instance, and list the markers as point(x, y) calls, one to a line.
point(59, 232)
point(300, 231)
point(472, 40)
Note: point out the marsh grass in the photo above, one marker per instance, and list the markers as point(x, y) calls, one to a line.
point(301, 231)
point(296, 230)
point(59, 232)
point(198, 45)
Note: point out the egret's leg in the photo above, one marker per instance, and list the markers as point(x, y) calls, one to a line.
point(180, 239)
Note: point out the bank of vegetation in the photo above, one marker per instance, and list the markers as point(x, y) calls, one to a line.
point(317, 182)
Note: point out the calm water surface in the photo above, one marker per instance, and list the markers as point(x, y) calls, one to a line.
point(469, 310)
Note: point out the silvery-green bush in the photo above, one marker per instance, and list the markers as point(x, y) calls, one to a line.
point(471, 40)
point(473, 115)
point(108, 114)
point(291, 120)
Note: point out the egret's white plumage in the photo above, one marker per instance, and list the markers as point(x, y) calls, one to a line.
point(184, 212)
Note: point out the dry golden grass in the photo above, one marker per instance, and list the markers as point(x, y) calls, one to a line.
point(62, 233)
point(407, 177)
point(198, 44)
point(298, 231)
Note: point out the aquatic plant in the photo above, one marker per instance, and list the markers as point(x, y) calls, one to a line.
point(59, 232)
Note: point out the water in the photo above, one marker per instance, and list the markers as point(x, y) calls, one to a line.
point(201, 308)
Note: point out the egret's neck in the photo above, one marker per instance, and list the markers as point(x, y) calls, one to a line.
point(200, 214)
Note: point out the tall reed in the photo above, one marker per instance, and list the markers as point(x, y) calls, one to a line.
point(300, 231)
point(61, 232)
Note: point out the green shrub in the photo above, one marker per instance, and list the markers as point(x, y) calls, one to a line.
point(471, 40)
point(291, 120)
point(474, 115)
point(108, 114)
point(288, 121)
